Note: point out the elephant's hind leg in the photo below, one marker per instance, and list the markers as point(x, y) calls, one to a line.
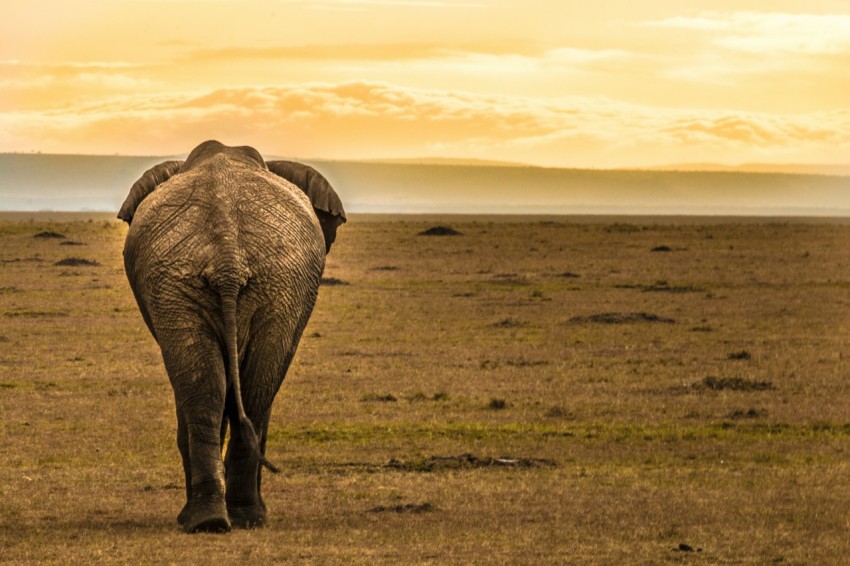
point(245, 507)
point(196, 369)
point(264, 367)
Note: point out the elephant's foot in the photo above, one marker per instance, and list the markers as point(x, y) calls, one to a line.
point(247, 517)
point(195, 518)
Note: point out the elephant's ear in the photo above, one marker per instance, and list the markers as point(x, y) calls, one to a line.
point(325, 201)
point(152, 178)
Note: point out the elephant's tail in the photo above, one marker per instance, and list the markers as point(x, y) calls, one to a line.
point(246, 429)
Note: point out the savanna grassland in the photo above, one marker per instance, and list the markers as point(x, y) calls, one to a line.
point(528, 391)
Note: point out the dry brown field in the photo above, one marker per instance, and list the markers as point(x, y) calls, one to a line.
point(531, 391)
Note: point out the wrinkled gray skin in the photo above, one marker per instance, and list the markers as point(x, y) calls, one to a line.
point(224, 258)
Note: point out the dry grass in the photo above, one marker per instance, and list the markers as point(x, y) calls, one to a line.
point(512, 394)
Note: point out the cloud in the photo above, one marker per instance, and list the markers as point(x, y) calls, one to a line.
point(27, 85)
point(368, 119)
point(770, 33)
point(343, 52)
point(394, 52)
point(365, 4)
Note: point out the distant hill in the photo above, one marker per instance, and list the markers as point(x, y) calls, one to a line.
point(446, 161)
point(69, 182)
point(794, 168)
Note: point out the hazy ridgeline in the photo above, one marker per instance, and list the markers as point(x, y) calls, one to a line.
point(51, 182)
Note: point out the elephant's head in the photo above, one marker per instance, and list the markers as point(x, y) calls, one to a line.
point(244, 154)
point(326, 203)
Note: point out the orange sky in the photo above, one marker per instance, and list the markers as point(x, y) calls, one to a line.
point(550, 82)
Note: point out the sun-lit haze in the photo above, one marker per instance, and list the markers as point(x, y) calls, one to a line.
point(555, 83)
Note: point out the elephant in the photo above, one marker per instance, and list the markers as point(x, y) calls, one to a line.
point(224, 256)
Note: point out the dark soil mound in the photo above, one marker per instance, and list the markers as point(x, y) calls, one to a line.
point(742, 355)
point(621, 318)
point(331, 281)
point(467, 461)
point(507, 323)
point(49, 235)
point(440, 231)
point(407, 508)
point(76, 262)
point(734, 384)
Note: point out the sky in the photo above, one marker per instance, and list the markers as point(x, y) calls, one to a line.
point(558, 83)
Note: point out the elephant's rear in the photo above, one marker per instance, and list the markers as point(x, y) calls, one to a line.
point(220, 228)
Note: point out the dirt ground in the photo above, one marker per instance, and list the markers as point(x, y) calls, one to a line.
point(537, 391)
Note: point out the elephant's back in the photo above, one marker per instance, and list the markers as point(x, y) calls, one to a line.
point(225, 220)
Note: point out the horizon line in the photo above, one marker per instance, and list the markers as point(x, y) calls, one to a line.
point(751, 167)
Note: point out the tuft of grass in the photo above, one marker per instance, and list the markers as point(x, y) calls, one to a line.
point(663, 287)
point(379, 398)
point(748, 414)
point(35, 313)
point(419, 396)
point(558, 412)
point(622, 228)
